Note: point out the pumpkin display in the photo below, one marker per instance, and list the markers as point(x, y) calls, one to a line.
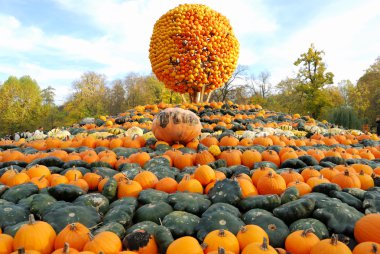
point(176, 125)
point(152, 193)
point(198, 63)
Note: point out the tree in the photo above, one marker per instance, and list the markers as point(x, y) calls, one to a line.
point(20, 104)
point(367, 99)
point(116, 97)
point(312, 77)
point(222, 94)
point(48, 95)
point(89, 98)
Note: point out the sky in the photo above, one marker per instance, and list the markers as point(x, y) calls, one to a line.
point(56, 41)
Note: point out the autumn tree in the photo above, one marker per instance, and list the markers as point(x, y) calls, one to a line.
point(313, 77)
point(89, 98)
point(20, 104)
point(237, 79)
point(368, 93)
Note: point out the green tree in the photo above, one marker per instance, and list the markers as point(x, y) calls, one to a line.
point(89, 98)
point(313, 77)
point(116, 97)
point(20, 104)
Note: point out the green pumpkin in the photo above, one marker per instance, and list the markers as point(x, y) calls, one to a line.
point(163, 238)
point(50, 161)
point(156, 162)
point(40, 202)
point(76, 163)
point(293, 163)
point(18, 192)
point(356, 192)
point(340, 218)
point(110, 189)
point(12, 229)
point(189, 202)
point(104, 171)
point(267, 164)
point(218, 164)
point(130, 169)
point(225, 191)
point(164, 171)
point(250, 216)
point(59, 218)
point(152, 212)
point(11, 214)
point(148, 226)
point(266, 202)
point(95, 200)
point(325, 188)
point(5, 202)
point(371, 206)
point(66, 192)
point(125, 152)
point(290, 194)
point(333, 159)
point(218, 220)
point(125, 202)
point(318, 227)
point(372, 193)
point(119, 214)
point(54, 206)
point(308, 160)
point(112, 226)
point(222, 207)
point(55, 170)
point(148, 196)
point(101, 164)
point(295, 210)
point(181, 223)
point(276, 229)
point(347, 198)
point(26, 202)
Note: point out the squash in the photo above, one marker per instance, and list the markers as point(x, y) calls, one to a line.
point(152, 212)
point(267, 202)
point(189, 202)
point(294, 210)
point(176, 125)
point(225, 191)
point(181, 223)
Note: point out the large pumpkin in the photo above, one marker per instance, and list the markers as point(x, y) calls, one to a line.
point(176, 125)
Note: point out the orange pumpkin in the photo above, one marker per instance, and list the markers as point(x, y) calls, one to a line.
point(106, 242)
point(367, 229)
point(75, 234)
point(176, 125)
point(35, 235)
point(185, 245)
point(221, 238)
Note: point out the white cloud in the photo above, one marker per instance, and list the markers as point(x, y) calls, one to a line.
point(347, 34)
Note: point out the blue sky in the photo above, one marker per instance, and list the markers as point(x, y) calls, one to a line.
point(55, 41)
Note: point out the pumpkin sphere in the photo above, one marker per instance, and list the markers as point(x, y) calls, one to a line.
point(367, 248)
point(330, 246)
point(185, 245)
point(75, 234)
point(221, 238)
point(193, 48)
point(176, 125)
point(35, 235)
point(6, 243)
point(106, 242)
point(368, 229)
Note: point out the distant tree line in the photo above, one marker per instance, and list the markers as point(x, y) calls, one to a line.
point(25, 106)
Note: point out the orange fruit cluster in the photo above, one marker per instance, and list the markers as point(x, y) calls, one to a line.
point(193, 46)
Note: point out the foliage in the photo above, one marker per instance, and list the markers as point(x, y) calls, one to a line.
point(345, 116)
point(312, 77)
point(20, 104)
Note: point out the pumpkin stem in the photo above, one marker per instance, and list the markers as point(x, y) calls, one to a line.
point(334, 239)
point(361, 172)
point(243, 229)
point(221, 233)
point(31, 219)
point(307, 231)
point(66, 248)
point(221, 250)
point(42, 177)
point(73, 226)
point(346, 173)
point(264, 246)
point(270, 173)
point(91, 236)
point(374, 248)
point(21, 251)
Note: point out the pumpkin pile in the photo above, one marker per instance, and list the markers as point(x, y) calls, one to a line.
point(193, 49)
point(192, 178)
